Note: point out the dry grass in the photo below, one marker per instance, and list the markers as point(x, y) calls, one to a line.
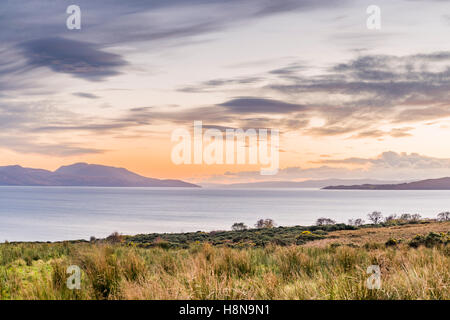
point(379, 235)
point(112, 271)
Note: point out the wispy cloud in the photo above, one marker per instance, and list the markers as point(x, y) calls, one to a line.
point(355, 97)
point(30, 145)
point(394, 160)
point(388, 165)
point(77, 58)
point(85, 95)
point(245, 105)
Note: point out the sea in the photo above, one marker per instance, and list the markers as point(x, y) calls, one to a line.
point(72, 213)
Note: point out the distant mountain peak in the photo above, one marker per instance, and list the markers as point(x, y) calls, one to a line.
point(86, 168)
point(78, 164)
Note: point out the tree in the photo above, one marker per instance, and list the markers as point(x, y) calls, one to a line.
point(265, 223)
point(444, 216)
point(356, 222)
point(390, 218)
point(239, 226)
point(325, 222)
point(416, 217)
point(406, 216)
point(376, 217)
point(114, 237)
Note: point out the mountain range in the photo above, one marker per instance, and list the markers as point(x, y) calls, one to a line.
point(94, 175)
point(302, 184)
point(82, 174)
point(429, 184)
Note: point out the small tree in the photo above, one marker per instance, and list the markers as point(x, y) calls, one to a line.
point(239, 226)
point(416, 217)
point(376, 217)
point(265, 223)
point(356, 222)
point(444, 216)
point(325, 222)
point(114, 237)
point(406, 216)
point(390, 218)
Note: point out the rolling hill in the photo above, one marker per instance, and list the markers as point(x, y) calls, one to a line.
point(300, 184)
point(429, 184)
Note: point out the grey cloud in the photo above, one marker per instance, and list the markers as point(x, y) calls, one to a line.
point(332, 130)
point(389, 165)
point(289, 70)
point(115, 21)
point(85, 95)
point(423, 114)
point(28, 128)
point(40, 28)
point(400, 132)
point(395, 77)
point(97, 128)
point(395, 133)
point(354, 97)
point(217, 127)
point(217, 84)
point(28, 146)
point(394, 160)
point(244, 105)
point(44, 117)
point(77, 58)
point(24, 116)
point(35, 32)
point(371, 90)
point(376, 89)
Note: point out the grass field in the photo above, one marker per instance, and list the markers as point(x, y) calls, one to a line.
point(414, 262)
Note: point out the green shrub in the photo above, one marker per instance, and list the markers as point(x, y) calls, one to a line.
point(430, 240)
point(306, 236)
point(392, 242)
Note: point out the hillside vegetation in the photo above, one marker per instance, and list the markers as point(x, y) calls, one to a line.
point(411, 268)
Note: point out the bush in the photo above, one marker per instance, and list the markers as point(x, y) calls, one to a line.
point(115, 237)
point(239, 226)
point(392, 242)
point(392, 219)
point(430, 240)
point(325, 222)
point(161, 243)
point(267, 223)
point(356, 222)
point(306, 236)
point(332, 227)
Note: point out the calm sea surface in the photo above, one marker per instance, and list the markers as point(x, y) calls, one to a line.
point(63, 213)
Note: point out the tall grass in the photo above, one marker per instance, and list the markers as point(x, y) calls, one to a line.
point(38, 271)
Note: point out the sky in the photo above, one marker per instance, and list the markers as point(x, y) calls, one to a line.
point(348, 101)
